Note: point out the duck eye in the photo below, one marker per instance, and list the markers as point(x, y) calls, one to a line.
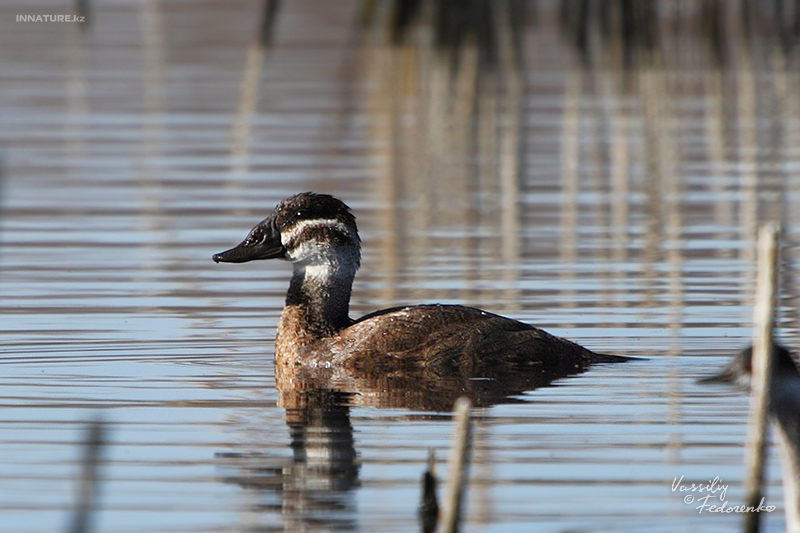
point(299, 214)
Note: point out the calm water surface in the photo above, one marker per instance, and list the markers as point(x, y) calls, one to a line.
point(135, 149)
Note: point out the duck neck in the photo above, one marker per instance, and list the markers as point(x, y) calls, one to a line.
point(319, 296)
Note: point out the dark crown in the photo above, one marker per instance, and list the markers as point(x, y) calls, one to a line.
point(312, 206)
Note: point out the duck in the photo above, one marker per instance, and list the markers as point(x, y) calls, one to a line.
point(784, 387)
point(784, 409)
point(318, 235)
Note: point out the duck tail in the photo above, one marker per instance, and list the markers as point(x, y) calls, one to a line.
point(607, 358)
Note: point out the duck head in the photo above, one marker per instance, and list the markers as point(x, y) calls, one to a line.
point(305, 229)
point(740, 369)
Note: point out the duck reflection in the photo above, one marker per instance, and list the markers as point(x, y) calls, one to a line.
point(421, 389)
point(316, 486)
point(312, 490)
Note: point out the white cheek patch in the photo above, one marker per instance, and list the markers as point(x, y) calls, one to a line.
point(321, 261)
point(308, 250)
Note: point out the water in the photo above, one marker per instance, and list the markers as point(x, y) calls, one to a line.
point(134, 150)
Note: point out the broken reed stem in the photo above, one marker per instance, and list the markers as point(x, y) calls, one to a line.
point(764, 324)
point(429, 504)
point(458, 466)
point(90, 466)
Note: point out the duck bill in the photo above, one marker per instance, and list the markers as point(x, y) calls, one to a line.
point(727, 375)
point(263, 242)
